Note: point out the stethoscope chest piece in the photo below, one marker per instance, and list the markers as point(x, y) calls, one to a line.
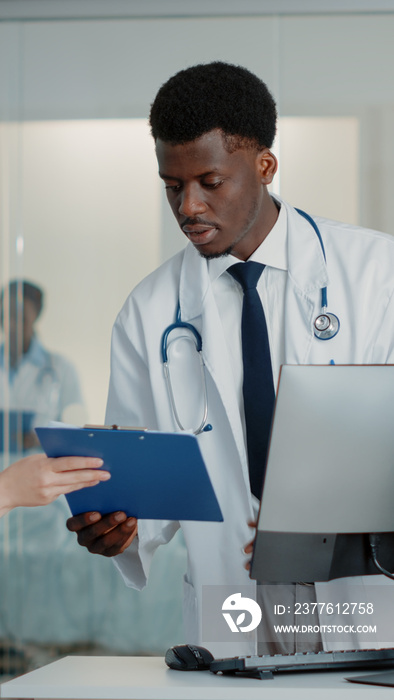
point(326, 326)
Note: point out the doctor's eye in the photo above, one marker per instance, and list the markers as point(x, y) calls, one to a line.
point(173, 188)
point(212, 185)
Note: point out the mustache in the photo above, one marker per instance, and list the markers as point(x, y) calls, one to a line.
point(197, 221)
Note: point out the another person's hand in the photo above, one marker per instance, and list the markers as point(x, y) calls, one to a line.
point(248, 549)
point(38, 480)
point(107, 535)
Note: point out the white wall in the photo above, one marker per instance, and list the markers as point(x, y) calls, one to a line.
point(316, 66)
point(319, 159)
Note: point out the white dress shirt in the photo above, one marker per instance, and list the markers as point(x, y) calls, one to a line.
point(272, 252)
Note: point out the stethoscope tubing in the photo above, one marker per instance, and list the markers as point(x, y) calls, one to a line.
point(203, 426)
point(327, 332)
point(318, 234)
point(326, 325)
point(175, 326)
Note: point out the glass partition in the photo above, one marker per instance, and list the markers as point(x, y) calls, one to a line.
point(83, 218)
point(80, 237)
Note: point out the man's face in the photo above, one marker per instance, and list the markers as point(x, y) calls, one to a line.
point(217, 197)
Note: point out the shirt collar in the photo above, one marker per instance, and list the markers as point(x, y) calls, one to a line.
point(36, 353)
point(272, 251)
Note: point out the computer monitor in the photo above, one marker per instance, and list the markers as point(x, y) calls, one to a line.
point(329, 480)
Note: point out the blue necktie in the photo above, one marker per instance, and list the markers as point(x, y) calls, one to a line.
point(258, 385)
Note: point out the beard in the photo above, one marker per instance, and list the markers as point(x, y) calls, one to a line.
point(220, 254)
point(250, 220)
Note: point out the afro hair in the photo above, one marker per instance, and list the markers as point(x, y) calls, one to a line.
point(215, 96)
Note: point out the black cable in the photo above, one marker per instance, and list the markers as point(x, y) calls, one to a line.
point(374, 541)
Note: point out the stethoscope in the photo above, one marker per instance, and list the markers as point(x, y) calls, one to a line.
point(325, 326)
point(179, 324)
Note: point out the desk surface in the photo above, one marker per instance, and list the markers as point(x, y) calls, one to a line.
point(148, 678)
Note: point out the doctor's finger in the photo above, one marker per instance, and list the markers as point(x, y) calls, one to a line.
point(116, 540)
point(78, 522)
point(90, 526)
point(248, 549)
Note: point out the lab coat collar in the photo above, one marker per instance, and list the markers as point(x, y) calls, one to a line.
point(272, 252)
point(307, 267)
point(196, 293)
point(193, 284)
point(307, 273)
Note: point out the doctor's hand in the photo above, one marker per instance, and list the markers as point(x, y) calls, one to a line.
point(248, 549)
point(107, 535)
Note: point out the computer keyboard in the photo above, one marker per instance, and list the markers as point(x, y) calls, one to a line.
point(266, 665)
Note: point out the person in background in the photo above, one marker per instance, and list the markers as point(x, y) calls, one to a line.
point(37, 480)
point(35, 385)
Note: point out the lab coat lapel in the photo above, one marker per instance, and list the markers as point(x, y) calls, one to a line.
point(198, 306)
point(307, 274)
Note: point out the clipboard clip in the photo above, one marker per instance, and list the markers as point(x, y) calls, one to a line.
point(112, 427)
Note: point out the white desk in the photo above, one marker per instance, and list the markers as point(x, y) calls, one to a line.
point(148, 678)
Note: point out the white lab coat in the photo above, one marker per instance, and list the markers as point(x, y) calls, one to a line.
point(360, 280)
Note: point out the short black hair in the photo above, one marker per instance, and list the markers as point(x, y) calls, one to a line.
point(29, 291)
point(215, 96)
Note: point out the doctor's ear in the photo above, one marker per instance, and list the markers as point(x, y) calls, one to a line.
point(267, 165)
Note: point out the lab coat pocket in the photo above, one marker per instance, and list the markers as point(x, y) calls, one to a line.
point(190, 619)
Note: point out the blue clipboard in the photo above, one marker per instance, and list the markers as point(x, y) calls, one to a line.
point(154, 475)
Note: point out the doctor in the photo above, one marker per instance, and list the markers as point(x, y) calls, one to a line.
point(213, 127)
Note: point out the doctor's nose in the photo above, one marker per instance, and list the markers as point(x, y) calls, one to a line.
point(191, 202)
